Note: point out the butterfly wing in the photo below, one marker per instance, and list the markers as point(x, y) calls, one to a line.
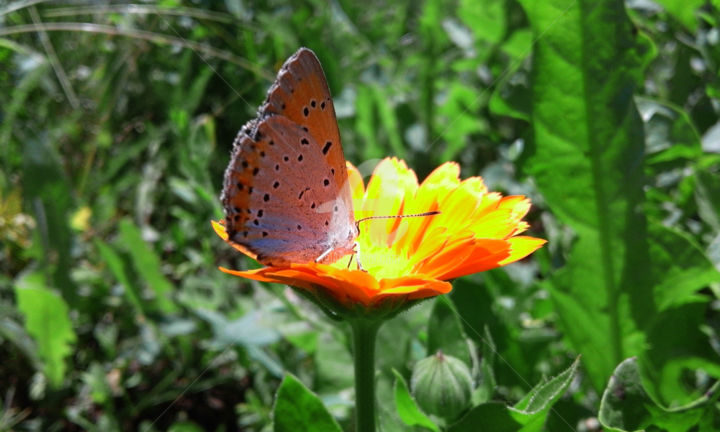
point(301, 94)
point(286, 194)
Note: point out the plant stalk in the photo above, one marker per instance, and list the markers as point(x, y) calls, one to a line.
point(364, 333)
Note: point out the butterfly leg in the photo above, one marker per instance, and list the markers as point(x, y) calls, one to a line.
point(323, 255)
point(356, 248)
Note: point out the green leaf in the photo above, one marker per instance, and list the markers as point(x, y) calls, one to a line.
point(626, 406)
point(185, 426)
point(488, 417)
point(707, 197)
point(445, 332)
point(677, 349)
point(541, 398)
point(683, 11)
point(47, 321)
point(298, 409)
point(461, 111)
point(119, 269)
point(510, 99)
point(487, 19)
point(147, 264)
point(586, 128)
point(407, 408)
point(528, 415)
point(680, 268)
point(669, 132)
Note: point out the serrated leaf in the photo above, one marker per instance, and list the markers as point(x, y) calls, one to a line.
point(542, 396)
point(586, 128)
point(48, 322)
point(298, 409)
point(528, 415)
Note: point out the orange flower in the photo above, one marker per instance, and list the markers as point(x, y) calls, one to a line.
point(412, 258)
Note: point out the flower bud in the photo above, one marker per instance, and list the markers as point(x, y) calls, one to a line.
point(442, 385)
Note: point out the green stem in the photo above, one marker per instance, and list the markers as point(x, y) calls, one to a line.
point(363, 337)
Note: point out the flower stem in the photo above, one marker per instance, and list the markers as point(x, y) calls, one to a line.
point(364, 333)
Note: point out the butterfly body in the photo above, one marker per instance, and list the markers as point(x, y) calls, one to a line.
point(286, 194)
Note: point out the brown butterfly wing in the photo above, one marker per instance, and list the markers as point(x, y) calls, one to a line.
point(286, 195)
point(301, 94)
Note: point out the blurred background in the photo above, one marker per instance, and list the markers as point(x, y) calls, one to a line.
point(116, 125)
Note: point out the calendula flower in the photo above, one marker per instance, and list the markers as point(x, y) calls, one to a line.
point(405, 259)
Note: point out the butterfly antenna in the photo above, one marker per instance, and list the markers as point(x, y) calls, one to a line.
point(430, 213)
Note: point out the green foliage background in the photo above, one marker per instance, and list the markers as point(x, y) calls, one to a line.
point(116, 123)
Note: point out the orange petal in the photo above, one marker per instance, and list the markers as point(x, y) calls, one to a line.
point(414, 287)
point(464, 258)
point(522, 246)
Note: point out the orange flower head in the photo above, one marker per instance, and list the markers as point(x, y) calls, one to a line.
point(406, 259)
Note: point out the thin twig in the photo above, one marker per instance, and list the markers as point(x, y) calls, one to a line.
point(140, 10)
point(19, 5)
point(55, 61)
point(138, 34)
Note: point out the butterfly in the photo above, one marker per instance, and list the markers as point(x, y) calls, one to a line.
point(285, 193)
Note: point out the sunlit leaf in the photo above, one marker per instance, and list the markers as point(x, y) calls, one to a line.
point(586, 128)
point(297, 408)
point(407, 408)
point(47, 321)
point(527, 415)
